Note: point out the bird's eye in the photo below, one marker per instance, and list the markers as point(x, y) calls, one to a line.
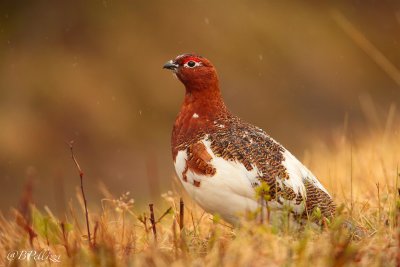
point(192, 64)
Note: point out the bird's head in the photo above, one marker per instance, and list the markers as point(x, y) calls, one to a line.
point(195, 72)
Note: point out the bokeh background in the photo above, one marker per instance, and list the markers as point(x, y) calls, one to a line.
point(91, 71)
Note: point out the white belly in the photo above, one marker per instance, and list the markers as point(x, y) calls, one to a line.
point(228, 193)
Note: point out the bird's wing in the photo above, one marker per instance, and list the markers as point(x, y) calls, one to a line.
point(289, 181)
point(299, 175)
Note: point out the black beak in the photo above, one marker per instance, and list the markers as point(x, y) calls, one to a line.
point(170, 65)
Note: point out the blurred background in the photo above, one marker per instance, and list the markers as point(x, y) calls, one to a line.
point(91, 71)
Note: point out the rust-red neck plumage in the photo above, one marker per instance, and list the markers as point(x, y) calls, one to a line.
point(202, 105)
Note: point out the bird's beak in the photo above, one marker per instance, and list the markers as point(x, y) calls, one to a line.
point(170, 65)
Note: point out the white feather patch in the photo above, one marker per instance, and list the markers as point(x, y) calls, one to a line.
point(298, 174)
point(229, 192)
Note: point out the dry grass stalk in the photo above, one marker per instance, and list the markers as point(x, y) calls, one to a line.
point(65, 239)
point(96, 227)
point(361, 41)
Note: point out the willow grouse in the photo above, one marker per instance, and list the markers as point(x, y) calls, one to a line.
point(221, 159)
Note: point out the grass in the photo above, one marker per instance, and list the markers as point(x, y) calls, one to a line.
point(362, 175)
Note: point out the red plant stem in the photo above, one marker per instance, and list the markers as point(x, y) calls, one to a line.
point(181, 213)
point(82, 189)
point(153, 222)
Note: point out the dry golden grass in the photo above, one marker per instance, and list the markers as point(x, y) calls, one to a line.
point(361, 173)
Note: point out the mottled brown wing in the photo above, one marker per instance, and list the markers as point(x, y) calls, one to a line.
point(252, 147)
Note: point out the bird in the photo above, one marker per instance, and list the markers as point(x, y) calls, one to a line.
point(221, 160)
